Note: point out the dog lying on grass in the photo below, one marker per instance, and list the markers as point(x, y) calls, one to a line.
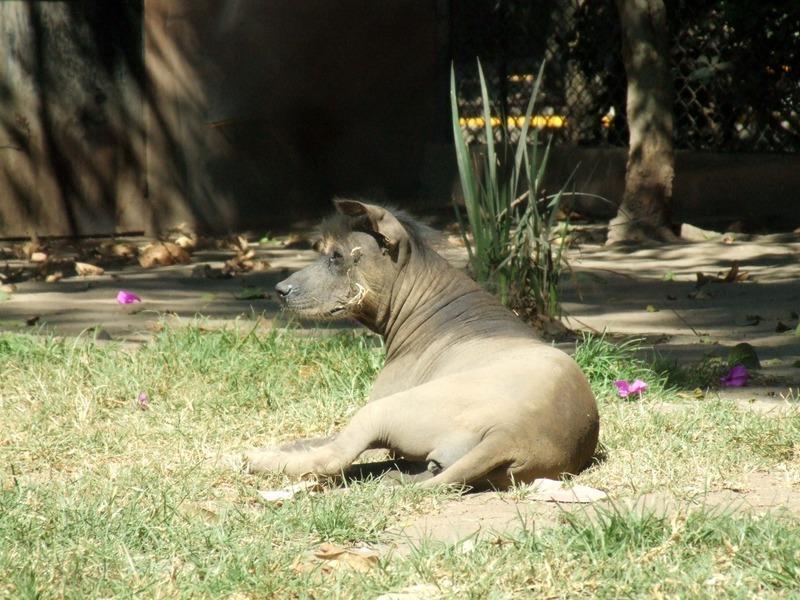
point(468, 394)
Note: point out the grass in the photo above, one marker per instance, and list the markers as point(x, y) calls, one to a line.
point(516, 248)
point(101, 499)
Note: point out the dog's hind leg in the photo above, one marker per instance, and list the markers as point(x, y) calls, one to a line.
point(485, 463)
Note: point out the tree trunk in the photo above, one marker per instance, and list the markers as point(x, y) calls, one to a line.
point(645, 211)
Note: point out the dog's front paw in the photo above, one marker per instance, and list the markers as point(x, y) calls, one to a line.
point(265, 461)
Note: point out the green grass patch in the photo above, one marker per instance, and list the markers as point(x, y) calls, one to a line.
point(101, 499)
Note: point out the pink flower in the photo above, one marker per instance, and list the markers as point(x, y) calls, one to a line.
point(736, 377)
point(625, 389)
point(143, 401)
point(124, 297)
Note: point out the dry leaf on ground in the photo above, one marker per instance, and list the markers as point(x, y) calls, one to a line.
point(244, 263)
point(163, 254)
point(122, 250)
point(734, 275)
point(206, 271)
point(330, 557)
point(280, 496)
point(184, 241)
point(550, 490)
point(86, 269)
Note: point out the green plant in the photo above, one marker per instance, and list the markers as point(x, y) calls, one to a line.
point(517, 247)
point(605, 361)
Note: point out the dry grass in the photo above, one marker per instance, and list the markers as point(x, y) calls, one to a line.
point(100, 498)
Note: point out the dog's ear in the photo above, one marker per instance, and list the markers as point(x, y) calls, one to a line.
point(381, 221)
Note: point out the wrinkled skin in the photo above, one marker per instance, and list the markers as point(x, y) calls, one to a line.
point(467, 392)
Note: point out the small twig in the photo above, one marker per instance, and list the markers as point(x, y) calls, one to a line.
point(685, 322)
point(566, 315)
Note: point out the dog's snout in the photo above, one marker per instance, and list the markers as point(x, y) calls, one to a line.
point(284, 289)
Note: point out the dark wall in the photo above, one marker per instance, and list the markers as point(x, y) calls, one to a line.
point(319, 98)
point(139, 114)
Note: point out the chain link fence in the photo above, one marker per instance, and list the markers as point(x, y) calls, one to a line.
point(735, 66)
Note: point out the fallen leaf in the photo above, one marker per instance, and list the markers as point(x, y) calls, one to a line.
point(123, 250)
point(242, 264)
point(280, 496)
point(38, 257)
point(733, 275)
point(696, 394)
point(239, 244)
point(550, 490)
point(467, 546)
point(186, 242)
point(53, 277)
point(335, 557)
point(87, 270)
point(651, 309)
point(163, 254)
point(29, 248)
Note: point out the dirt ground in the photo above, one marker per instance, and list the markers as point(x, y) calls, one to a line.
point(652, 293)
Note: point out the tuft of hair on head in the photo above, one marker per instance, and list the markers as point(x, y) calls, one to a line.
point(339, 225)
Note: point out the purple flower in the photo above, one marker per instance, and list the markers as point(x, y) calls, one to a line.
point(143, 401)
point(625, 389)
point(124, 297)
point(736, 377)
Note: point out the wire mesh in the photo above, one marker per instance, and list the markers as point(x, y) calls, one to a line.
point(735, 68)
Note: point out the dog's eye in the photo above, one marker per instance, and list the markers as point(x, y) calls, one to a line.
point(336, 256)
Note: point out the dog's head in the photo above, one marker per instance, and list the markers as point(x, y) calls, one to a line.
point(362, 250)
